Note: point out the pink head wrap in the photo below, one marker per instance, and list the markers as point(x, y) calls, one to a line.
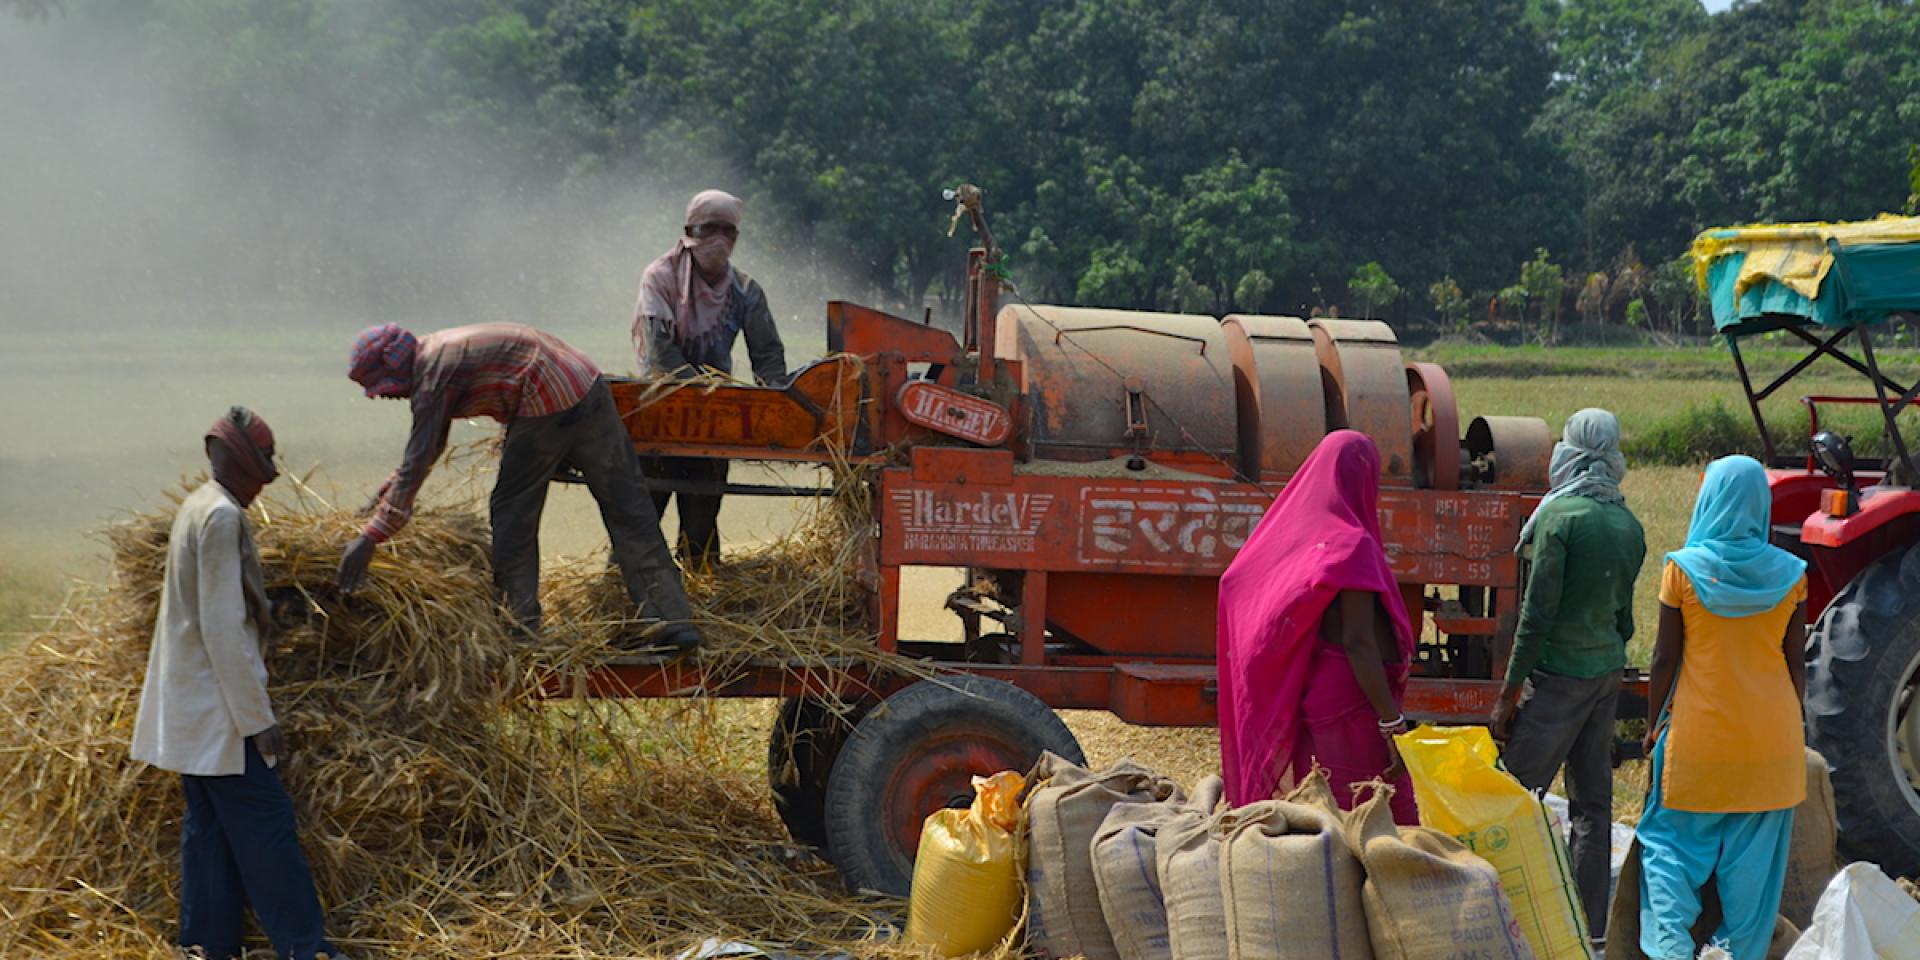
point(672, 290)
point(1320, 537)
point(249, 438)
point(382, 360)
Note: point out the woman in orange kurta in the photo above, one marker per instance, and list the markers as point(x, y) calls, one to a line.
point(1728, 749)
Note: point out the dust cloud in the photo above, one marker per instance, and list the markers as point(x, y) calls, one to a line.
point(161, 260)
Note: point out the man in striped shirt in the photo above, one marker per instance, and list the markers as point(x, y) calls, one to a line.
point(558, 413)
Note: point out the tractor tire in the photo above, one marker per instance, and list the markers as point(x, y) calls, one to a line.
point(918, 751)
point(1862, 715)
point(807, 736)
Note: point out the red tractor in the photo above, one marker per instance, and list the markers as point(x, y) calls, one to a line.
point(1838, 289)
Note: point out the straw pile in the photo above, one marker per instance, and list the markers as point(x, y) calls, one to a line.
point(445, 813)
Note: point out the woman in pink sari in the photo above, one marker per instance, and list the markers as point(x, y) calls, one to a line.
point(1314, 640)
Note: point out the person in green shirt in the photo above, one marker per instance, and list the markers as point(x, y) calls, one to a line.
point(1563, 681)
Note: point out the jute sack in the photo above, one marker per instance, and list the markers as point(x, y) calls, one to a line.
point(1128, 877)
point(1063, 813)
point(1811, 859)
point(1623, 920)
point(1428, 896)
point(1290, 885)
point(1187, 858)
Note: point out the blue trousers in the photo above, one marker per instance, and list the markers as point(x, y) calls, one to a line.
point(1744, 853)
point(238, 848)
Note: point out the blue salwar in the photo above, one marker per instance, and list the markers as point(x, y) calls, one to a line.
point(238, 848)
point(1744, 853)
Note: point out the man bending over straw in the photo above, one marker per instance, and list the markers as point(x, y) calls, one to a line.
point(558, 412)
point(204, 714)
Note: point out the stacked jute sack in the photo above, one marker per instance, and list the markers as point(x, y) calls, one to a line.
point(1124, 865)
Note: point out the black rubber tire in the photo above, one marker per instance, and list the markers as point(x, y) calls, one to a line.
point(806, 737)
point(1863, 648)
point(928, 740)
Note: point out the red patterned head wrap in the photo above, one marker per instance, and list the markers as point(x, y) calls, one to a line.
point(382, 360)
point(250, 440)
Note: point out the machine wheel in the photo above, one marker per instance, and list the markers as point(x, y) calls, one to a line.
point(806, 737)
point(918, 751)
point(1862, 675)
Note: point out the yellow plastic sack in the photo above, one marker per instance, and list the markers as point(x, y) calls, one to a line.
point(966, 877)
point(1462, 792)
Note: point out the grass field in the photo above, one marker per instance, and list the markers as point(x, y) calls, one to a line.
point(100, 425)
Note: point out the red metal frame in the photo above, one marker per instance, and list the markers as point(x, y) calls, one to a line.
point(1105, 571)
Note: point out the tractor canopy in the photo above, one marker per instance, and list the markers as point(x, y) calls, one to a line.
point(1768, 276)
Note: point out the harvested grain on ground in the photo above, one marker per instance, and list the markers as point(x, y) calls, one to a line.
point(445, 812)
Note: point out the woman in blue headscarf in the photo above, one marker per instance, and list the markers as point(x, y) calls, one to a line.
point(1725, 734)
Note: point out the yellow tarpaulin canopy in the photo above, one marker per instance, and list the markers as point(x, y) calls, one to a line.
point(1794, 254)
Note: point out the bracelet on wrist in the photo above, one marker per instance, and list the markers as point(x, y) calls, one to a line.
point(1395, 726)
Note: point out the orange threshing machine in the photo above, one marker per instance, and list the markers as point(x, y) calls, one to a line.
point(1093, 471)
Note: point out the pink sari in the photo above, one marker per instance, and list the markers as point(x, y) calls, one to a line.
point(1288, 699)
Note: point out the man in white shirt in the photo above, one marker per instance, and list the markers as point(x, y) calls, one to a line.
point(204, 714)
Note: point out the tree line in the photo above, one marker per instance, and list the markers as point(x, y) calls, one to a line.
point(1527, 164)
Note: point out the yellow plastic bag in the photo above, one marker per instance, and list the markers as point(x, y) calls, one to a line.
point(966, 877)
point(1462, 792)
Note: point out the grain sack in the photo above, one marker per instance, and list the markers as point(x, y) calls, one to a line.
point(1290, 885)
point(1426, 895)
point(1064, 811)
point(1187, 858)
point(1811, 860)
point(1464, 793)
point(1785, 934)
point(966, 876)
point(1127, 875)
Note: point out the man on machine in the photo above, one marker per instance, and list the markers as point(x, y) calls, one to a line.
point(558, 413)
point(693, 305)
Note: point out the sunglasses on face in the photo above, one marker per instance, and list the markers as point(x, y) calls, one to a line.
point(701, 231)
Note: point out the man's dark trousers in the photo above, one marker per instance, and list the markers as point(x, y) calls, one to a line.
point(590, 438)
point(699, 544)
point(238, 847)
point(1570, 721)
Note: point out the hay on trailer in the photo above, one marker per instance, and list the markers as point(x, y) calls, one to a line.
point(445, 813)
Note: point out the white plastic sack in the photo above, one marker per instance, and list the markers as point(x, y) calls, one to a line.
point(1862, 916)
point(1621, 834)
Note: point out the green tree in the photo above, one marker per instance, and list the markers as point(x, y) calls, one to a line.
point(1818, 130)
point(1449, 304)
point(1232, 269)
point(1637, 314)
point(1511, 303)
point(1373, 288)
point(1676, 294)
point(1913, 180)
point(1545, 286)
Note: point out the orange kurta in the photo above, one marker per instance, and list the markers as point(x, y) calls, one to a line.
point(1736, 743)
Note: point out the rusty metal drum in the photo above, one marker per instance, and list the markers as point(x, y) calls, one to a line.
point(1276, 385)
point(1100, 384)
point(1366, 389)
point(1510, 453)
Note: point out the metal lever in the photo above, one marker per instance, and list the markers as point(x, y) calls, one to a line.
point(1137, 431)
